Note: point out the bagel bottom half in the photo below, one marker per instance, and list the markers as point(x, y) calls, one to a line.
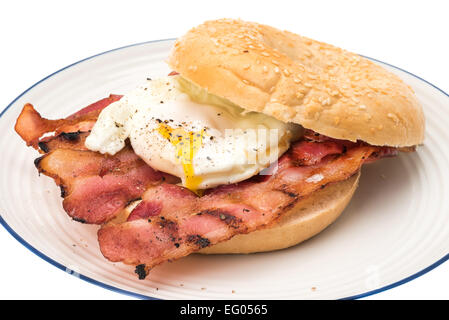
point(307, 218)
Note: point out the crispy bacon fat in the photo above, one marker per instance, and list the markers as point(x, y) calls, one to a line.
point(171, 222)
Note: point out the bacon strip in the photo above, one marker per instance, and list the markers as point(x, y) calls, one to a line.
point(184, 223)
point(97, 187)
point(96, 107)
point(307, 153)
point(31, 126)
point(65, 140)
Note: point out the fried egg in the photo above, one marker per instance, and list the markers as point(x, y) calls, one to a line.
point(179, 128)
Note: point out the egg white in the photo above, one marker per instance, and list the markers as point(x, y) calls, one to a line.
point(233, 144)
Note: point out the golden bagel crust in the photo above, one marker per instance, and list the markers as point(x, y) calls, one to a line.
point(307, 218)
point(295, 79)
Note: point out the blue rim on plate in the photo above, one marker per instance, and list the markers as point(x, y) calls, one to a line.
point(141, 296)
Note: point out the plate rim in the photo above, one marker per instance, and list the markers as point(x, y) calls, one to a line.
point(60, 266)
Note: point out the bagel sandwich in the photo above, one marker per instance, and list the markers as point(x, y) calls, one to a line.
point(254, 142)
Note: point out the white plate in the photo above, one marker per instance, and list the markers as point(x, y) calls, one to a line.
point(394, 230)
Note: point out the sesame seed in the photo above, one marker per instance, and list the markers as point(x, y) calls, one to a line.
point(296, 80)
point(276, 69)
point(326, 102)
point(246, 66)
point(308, 85)
point(192, 68)
point(215, 41)
point(265, 54)
point(362, 107)
point(275, 62)
point(265, 69)
point(245, 81)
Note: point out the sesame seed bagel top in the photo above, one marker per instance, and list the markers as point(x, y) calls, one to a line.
point(295, 79)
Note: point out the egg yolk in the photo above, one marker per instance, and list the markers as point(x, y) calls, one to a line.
point(187, 144)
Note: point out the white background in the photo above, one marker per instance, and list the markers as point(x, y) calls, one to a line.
point(40, 37)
